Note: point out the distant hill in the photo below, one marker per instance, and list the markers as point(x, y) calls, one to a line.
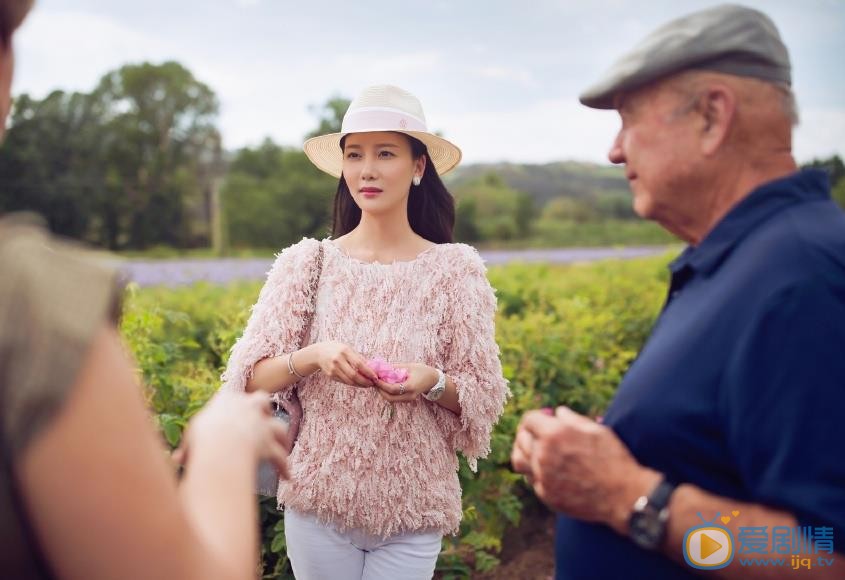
point(550, 180)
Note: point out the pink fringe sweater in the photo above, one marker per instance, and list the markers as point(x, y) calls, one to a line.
point(357, 464)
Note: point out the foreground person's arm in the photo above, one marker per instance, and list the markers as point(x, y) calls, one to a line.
point(102, 495)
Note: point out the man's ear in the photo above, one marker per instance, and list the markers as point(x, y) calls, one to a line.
point(718, 109)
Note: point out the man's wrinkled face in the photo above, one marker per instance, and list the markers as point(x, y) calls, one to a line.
point(658, 146)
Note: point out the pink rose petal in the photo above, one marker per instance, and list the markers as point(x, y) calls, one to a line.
point(386, 372)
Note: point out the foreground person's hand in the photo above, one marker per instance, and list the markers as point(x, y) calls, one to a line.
point(244, 418)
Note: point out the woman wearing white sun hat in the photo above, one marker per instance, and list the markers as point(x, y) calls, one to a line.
point(374, 482)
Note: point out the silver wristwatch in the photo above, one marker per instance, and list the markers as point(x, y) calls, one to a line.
point(650, 516)
point(439, 387)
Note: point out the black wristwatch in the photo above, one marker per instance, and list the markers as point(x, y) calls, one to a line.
point(647, 526)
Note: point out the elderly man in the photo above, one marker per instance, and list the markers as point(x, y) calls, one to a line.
point(723, 448)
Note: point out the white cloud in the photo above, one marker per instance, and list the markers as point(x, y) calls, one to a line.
point(820, 134)
point(552, 130)
point(267, 78)
point(366, 65)
point(72, 50)
point(544, 131)
point(499, 73)
point(262, 99)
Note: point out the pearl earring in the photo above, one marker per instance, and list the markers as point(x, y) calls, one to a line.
point(417, 180)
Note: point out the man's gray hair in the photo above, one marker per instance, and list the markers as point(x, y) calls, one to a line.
point(690, 84)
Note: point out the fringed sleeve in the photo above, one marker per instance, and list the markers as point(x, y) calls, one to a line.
point(275, 324)
point(471, 358)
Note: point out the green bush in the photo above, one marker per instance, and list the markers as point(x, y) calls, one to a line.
point(273, 196)
point(486, 208)
point(567, 335)
point(553, 233)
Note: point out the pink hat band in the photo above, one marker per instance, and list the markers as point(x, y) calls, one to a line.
point(382, 108)
point(367, 119)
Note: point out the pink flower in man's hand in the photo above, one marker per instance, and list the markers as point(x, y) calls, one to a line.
point(386, 372)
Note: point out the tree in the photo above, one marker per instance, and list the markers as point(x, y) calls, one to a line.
point(497, 211)
point(568, 209)
point(838, 193)
point(613, 205)
point(466, 220)
point(127, 166)
point(273, 196)
point(51, 161)
point(833, 165)
point(836, 171)
point(330, 116)
point(163, 149)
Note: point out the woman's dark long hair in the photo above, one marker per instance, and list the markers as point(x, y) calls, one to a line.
point(431, 208)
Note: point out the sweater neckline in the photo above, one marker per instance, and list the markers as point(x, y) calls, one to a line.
point(354, 260)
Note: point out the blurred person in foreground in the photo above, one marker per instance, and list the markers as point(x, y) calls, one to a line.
point(734, 411)
point(86, 489)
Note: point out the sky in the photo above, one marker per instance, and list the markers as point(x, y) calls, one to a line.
point(498, 78)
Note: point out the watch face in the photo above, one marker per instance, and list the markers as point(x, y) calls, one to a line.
point(646, 529)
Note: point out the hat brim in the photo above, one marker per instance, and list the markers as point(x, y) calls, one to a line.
point(324, 151)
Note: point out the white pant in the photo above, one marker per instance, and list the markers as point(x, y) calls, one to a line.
point(319, 552)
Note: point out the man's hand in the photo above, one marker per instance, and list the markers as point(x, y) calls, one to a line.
point(579, 467)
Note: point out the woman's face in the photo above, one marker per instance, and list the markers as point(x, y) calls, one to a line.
point(378, 169)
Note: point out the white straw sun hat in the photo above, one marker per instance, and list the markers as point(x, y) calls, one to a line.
point(382, 108)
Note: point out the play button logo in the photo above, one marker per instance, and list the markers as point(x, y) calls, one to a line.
point(708, 547)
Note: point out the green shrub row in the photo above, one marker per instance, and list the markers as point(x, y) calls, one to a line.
point(567, 335)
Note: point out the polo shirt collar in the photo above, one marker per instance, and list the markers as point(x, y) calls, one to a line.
point(800, 187)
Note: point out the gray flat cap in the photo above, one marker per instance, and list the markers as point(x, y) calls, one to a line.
point(730, 39)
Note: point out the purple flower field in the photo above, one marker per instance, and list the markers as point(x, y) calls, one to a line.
point(226, 270)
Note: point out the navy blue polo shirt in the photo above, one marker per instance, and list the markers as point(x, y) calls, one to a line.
point(740, 389)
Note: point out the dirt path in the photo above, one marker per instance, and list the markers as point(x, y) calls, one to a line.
point(528, 550)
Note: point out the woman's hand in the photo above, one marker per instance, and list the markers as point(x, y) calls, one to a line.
point(420, 380)
point(341, 363)
point(243, 419)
